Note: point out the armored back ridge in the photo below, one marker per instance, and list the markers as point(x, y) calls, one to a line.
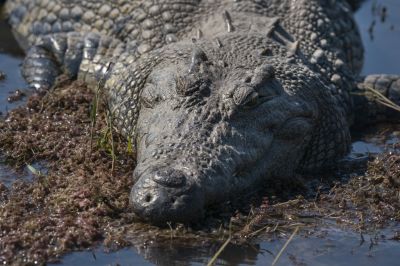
point(218, 96)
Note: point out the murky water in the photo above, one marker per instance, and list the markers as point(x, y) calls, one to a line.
point(10, 60)
point(381, 36)
point(328, 246)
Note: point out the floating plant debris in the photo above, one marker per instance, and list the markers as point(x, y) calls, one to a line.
point(83, 198)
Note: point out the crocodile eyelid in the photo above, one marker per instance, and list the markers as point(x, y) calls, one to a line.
point(147, 98)
point(243, 94)
point(252, 100)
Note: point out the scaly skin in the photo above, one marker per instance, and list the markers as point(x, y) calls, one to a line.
point(218, 96)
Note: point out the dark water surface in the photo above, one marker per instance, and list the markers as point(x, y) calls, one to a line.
point(328, 246)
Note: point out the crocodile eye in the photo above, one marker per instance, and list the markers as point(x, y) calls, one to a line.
point(246, 97)
point(148, 97)
point(251, 101)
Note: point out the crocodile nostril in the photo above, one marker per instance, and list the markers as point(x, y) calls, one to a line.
point(170, 177)
point(247, 79)
point(159, 204)
point(148, 198)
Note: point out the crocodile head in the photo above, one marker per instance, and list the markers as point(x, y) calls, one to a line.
point(217, 120)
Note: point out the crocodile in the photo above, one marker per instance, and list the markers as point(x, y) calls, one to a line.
point(218, 97)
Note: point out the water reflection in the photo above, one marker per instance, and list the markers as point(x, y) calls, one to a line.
point(183, 254)
point(326, 246)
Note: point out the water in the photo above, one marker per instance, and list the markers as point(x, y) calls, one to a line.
point(10, 60)
point(327, 246)
point(382, 50)
point(330, 246)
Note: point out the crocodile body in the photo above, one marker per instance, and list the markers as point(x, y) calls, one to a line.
point(218, 96)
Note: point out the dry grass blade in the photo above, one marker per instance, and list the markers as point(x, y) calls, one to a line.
point(382, 99)
point(285, 246)
point(258, 231)
point(215, 257)
point(110, 125)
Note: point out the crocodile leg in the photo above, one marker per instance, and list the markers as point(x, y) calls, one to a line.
point(86, 56)
point(377, 99)
point(97, 60)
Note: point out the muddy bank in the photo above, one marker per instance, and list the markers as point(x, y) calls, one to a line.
point(82, 200)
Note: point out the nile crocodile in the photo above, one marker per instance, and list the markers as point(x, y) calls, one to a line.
point(218, 96)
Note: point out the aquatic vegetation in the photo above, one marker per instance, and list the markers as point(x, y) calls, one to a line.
point(72, 205)
point(83, 200)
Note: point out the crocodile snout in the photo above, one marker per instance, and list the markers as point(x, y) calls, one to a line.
point(167, 195)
